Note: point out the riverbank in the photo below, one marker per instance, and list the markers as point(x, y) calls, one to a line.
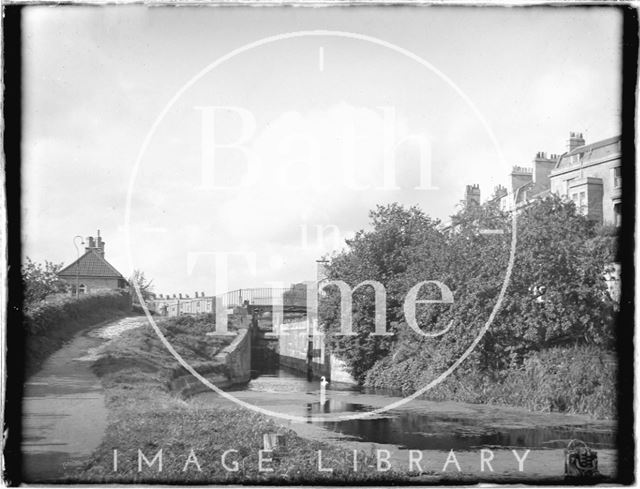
point(429, 431)
point(575, 380)
point(154, 436)
point(146, 420)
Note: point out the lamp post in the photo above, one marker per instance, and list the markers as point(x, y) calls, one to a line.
point(77, 262)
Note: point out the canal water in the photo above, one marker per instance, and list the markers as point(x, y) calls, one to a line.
point(422, 425)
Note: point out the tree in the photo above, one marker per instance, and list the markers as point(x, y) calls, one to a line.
point(145, 286)
point(383, 254)
point(41, 280)
point(555, 250)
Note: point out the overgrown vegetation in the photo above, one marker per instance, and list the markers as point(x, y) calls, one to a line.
point(578, 379)
point(570, 327)
point(49, 324)
point(41, 280)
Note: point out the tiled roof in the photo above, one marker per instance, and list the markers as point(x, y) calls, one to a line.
point(90, 265)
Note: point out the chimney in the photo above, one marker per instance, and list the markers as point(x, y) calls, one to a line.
point(575, 141)
point(472, 195)
point(196, 295)
point(99, 245)
point(500, 191)
point(179, 296)
point(90, 244)
point(202, 294)
point(520, 176)
point(161, 296)
point(174, 296)
point(542, 167)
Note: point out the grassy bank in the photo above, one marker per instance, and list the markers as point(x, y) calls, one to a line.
point(50, 324)
point(577, 380)
point(139, 358)
point(144, 415)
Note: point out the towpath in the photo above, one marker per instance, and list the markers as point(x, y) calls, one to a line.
point(64, 413)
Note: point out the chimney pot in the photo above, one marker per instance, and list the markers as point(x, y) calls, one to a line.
point(179, 296)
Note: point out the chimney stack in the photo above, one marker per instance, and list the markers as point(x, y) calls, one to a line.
point(500, 191)
point(575, 141)
point(100, 245)
point(89, 244)
point(520, 176)
point(202, 294)
point(472, 195)
point(95, 244)
point(542, 167)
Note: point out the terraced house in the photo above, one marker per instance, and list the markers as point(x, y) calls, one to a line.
point(590, 175)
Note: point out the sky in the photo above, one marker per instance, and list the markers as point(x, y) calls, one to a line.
point(177, 128)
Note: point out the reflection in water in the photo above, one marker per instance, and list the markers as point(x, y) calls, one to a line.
point(281, 380)
point(442, 432)
point(423, 431)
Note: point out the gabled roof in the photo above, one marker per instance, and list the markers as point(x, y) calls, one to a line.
point(91, 264)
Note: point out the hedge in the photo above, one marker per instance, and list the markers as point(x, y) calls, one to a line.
point(49, 324)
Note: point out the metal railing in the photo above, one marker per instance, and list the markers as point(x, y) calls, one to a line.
point(265, 297)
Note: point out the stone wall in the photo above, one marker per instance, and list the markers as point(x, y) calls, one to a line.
point(301, 347)
point(230, 366)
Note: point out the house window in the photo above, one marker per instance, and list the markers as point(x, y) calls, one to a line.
point(617, 177)
point(82, 289)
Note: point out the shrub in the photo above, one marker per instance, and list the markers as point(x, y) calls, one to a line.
point(579, 379)
point(49, 324)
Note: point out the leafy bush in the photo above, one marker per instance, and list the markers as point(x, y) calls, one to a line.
point(49, 324)
point(580, 379)
point(41, 280)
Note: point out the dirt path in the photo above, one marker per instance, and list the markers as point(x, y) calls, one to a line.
point(64, 413)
